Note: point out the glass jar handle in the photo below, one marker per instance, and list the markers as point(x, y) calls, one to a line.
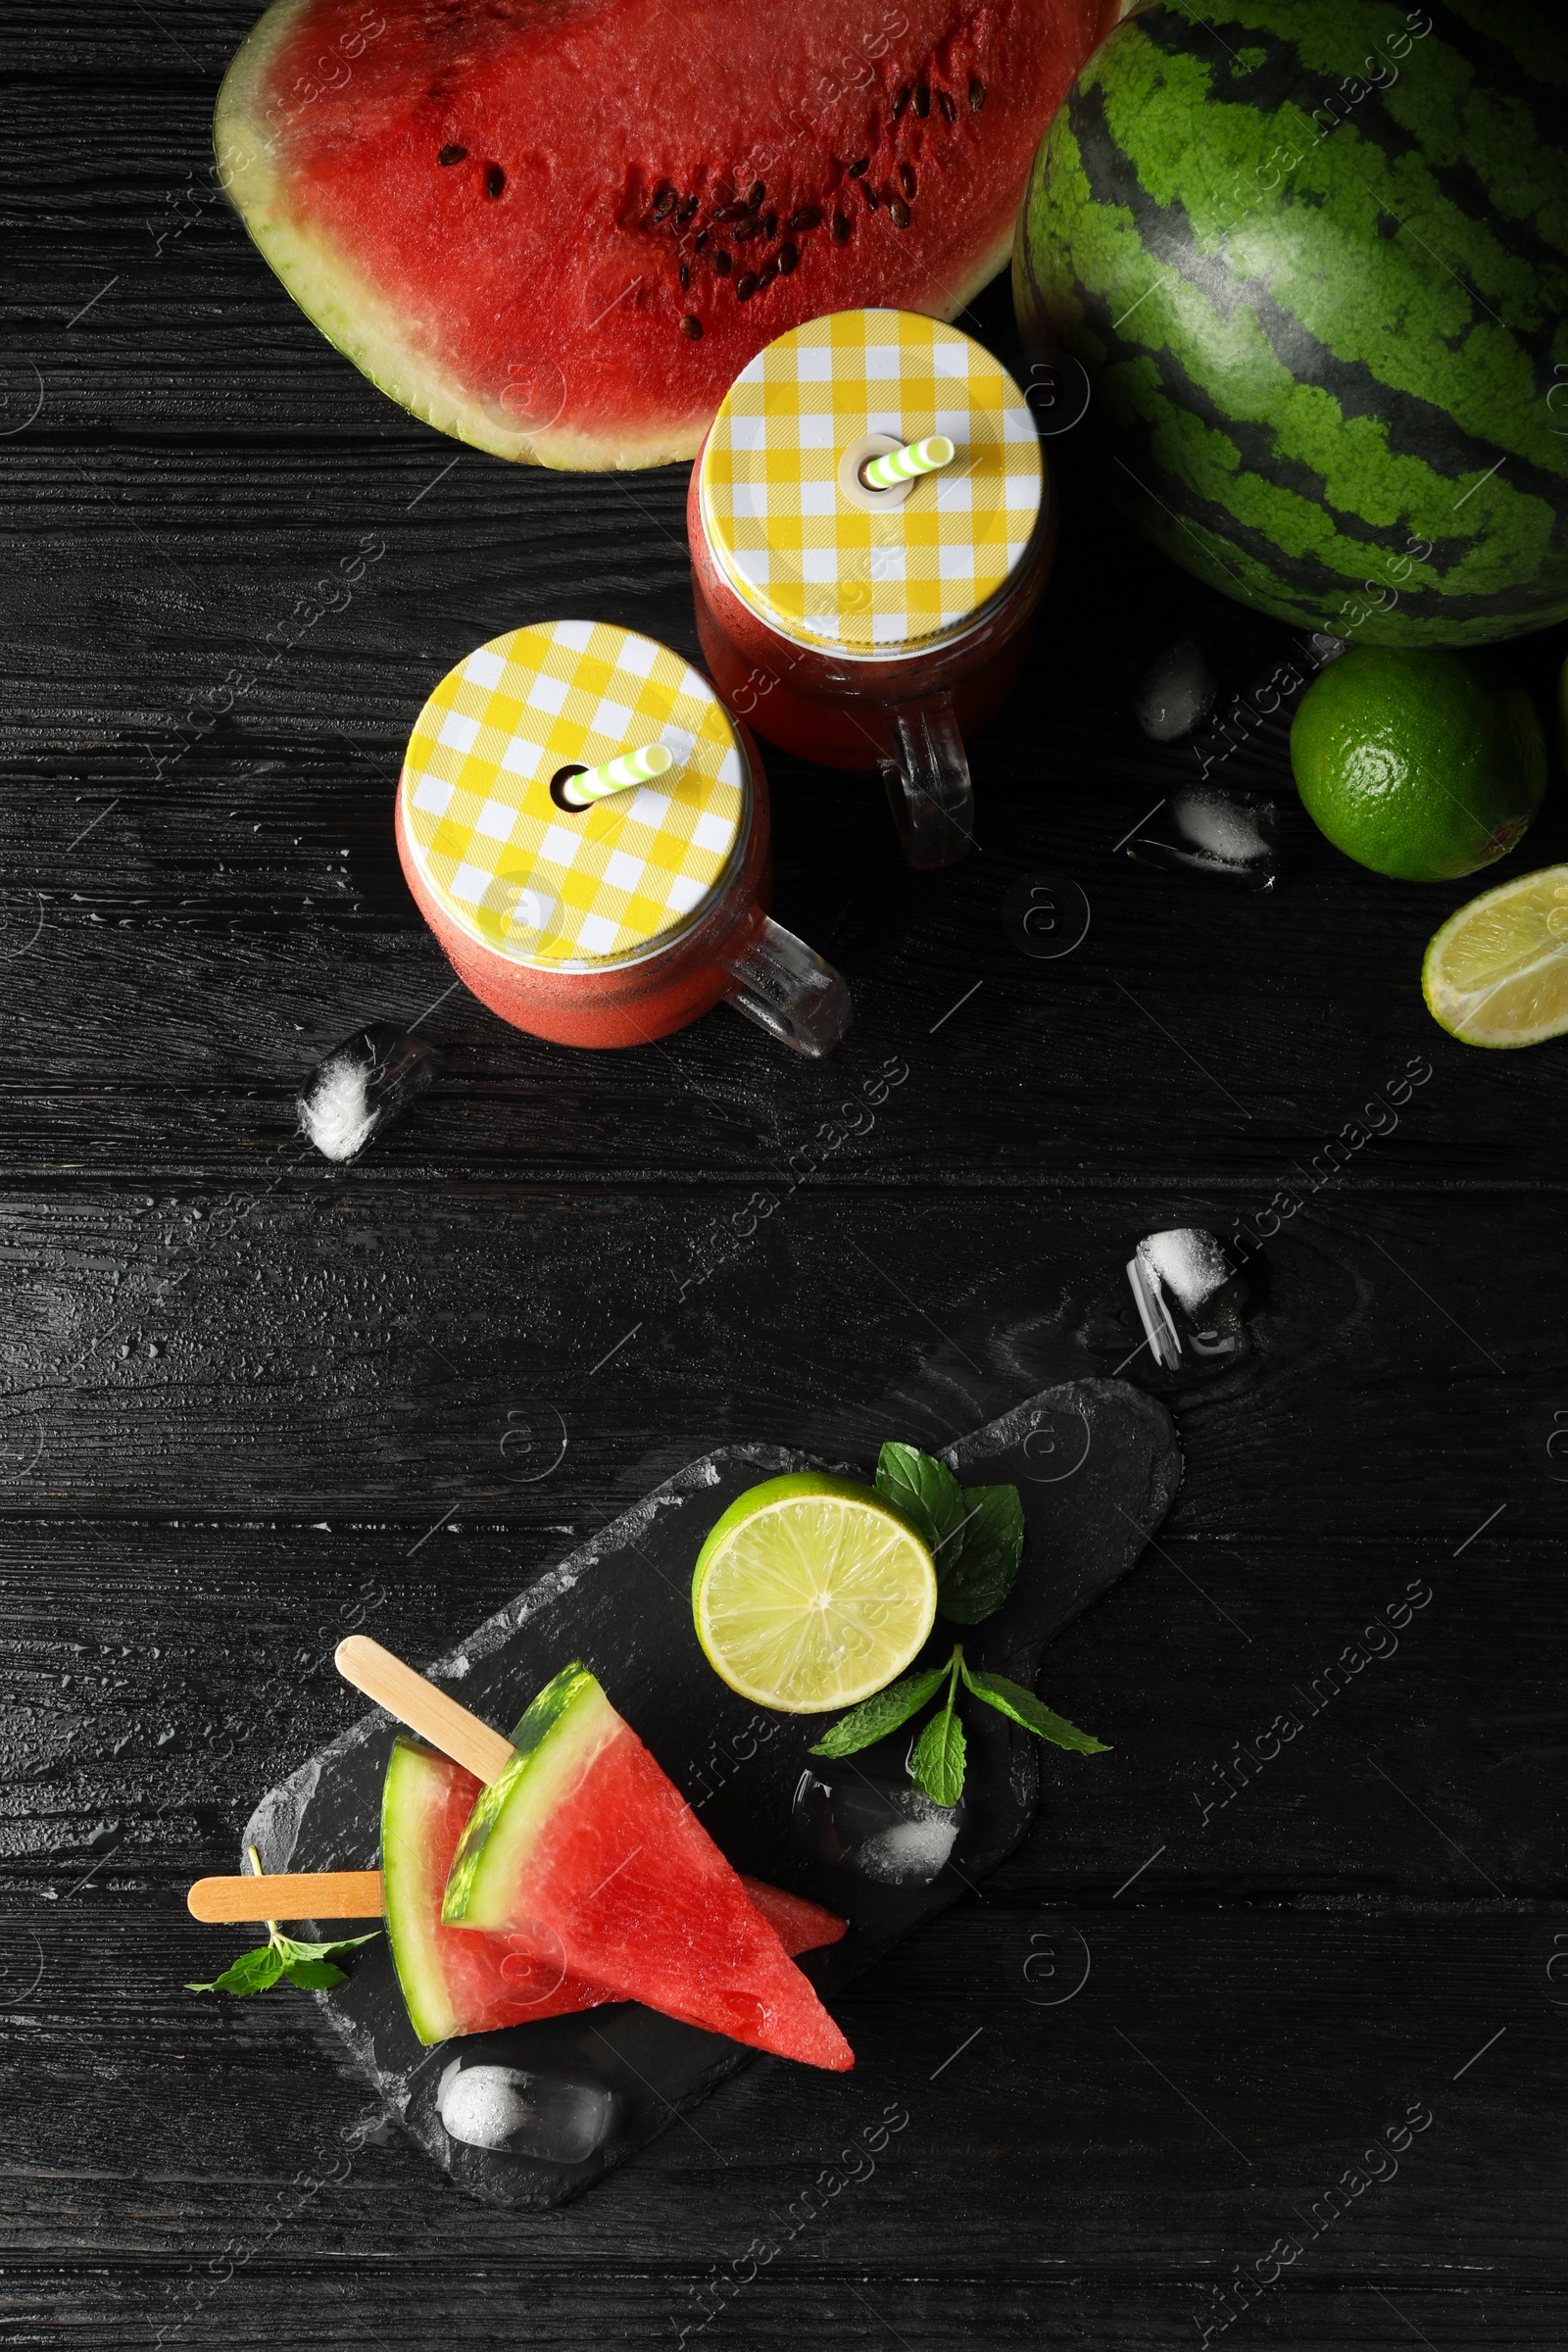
point(782, 985)
point(928, 783)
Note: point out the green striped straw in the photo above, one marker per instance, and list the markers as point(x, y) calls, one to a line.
point(907, 465)
point(617, 775)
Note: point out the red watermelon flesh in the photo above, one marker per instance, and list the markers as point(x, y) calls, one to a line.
point(559, 228)
point(455, 1982)
point(584, 1847)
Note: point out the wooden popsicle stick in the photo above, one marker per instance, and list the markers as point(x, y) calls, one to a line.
point(291, 1894)
point(422, 1707)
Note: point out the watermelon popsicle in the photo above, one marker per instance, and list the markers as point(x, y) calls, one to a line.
point(454, 1981)
point(586, 1847)
point(581, 1849)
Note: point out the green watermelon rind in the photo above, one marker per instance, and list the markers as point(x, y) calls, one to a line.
point(355, 317)
point(556, 1742)
point(406, 1799)
point(1338, 528)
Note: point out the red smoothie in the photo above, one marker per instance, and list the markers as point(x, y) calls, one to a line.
point(619, 922)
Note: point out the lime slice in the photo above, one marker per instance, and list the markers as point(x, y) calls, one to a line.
point(1497, 974)
point(811, 1592)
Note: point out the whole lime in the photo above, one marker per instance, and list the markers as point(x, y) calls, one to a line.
point(1424, 765)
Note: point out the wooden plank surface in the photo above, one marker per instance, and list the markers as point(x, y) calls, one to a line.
point(252, 1402)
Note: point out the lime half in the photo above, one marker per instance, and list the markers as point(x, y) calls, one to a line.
point(811, 1592)
point(1497, 974)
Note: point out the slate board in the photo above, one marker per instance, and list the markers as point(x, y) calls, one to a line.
point(1096, 1465)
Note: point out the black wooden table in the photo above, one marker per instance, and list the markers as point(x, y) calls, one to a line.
point(252, 1400)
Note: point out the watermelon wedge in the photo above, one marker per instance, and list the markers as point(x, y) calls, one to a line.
point(455, 1982)
point(559, 228)
point(585, 1849)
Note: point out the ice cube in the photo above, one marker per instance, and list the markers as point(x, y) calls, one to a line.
point(1189, 1298)
point(1201, 829)
point(1325, 649)
point(1174, 690)
point(363, 1085)
point(876, 1827)
point(556, 2118)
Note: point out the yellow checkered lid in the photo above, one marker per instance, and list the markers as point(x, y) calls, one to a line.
point(812, 562)
point(543, 884)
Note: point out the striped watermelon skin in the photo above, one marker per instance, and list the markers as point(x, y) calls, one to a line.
point(1314, 259)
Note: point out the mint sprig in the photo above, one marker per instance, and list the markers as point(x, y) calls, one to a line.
point(313, 1967)
point(1021, 1706)
point(875, 1717)
point(975, 1536)
point(941, 1752)
point(924, 1490)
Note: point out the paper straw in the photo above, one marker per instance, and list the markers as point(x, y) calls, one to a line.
point(617, 775)
point(907, 465)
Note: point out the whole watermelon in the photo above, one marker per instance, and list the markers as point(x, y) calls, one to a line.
point(1314, 255)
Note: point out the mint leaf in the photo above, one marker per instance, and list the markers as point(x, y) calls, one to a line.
point(880, 1714)
point(293, 1949)
point(314, 1976)
point(976, 1568)
point(925, 1488)
point(1021, 1706)
point(309, 1966)
point(937, 1764)
point(313, 1967)
point(252, 1971)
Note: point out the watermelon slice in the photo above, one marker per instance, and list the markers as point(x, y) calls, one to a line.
point(585, 1849)
point(559, 228)
point(458, 1983)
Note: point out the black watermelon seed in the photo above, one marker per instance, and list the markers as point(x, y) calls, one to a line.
point(692, 327)
point(767, 274)
point(907, 179)
point(788, 256)
point(869, 193)
point(922, 100)
point(700, 240)
point(949, 106)
point(898, 212)
point(452, 154)
point(840, 229)
point(722, 264)
point(687, 208)
point(977, 96)
point(495, 179)
point(685, 278)
point(901, 102)
point(732, 212)
point(755, 193)
point(745, 231)
point(771, 225)
point(745, 286)
point(809, 217)
point(663, 200)
point(860, 169)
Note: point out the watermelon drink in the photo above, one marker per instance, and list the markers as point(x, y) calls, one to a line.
point(871, 624)
point(616, 922)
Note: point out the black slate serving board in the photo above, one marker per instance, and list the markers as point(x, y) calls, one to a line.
point(1096, 1465)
